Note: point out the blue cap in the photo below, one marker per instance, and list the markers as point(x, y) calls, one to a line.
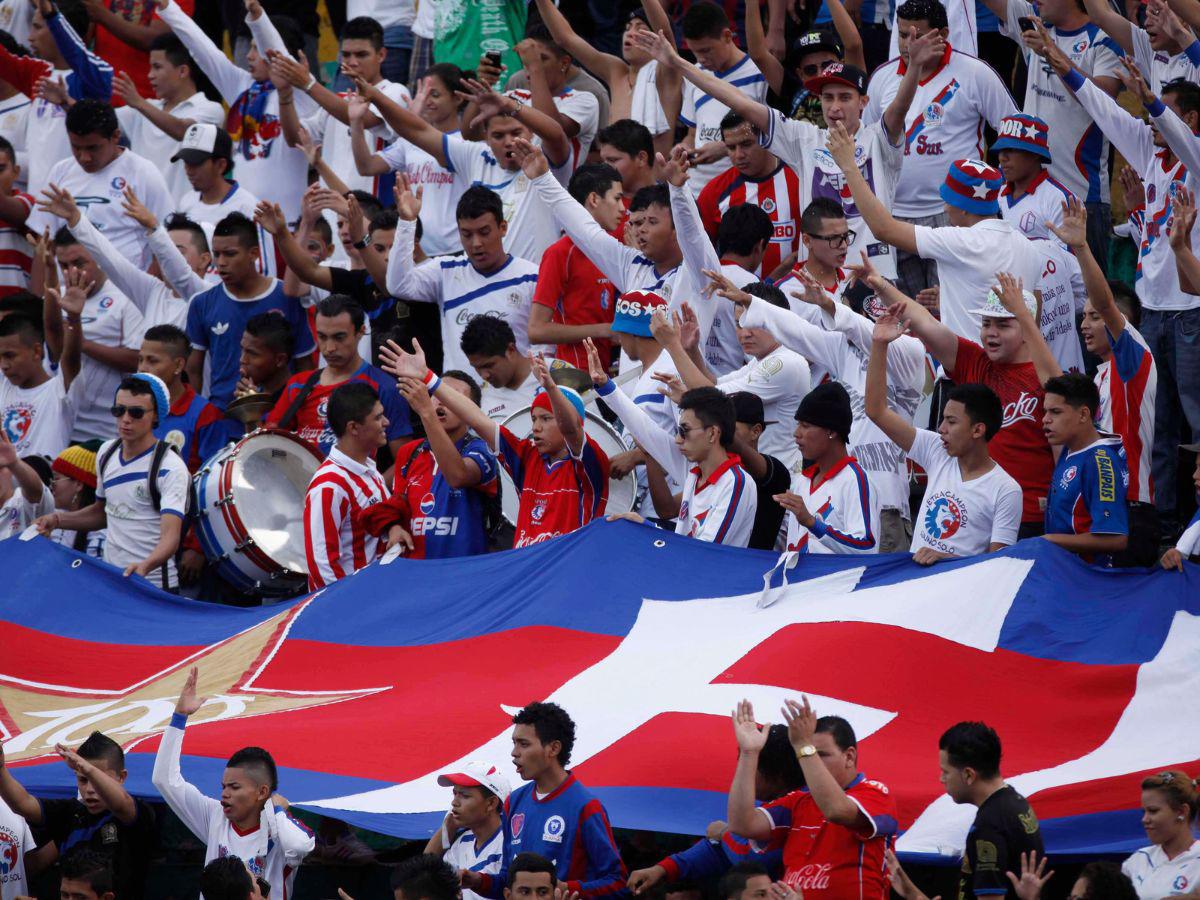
point(162, 397)
point(541, 400)
point(973, 186)
point(634, 311)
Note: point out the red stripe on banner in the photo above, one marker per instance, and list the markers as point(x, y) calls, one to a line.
point(1100, 795)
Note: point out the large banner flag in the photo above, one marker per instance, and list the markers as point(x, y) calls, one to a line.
point(366, 691)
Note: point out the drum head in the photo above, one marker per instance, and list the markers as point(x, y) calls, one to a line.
point(622, 492)
point(269, 482)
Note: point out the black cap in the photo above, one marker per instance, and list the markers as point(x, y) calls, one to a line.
point(811, 41)
point(748, 408)
point(203, 141)
point(839, 73)
point(827, 406)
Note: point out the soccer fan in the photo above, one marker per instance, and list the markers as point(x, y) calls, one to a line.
point(491, 280)
point(629, 148)
point(717, 505)
point(1102, 879)
point(472, 835)
point(1172, 861)
point(509, 384)
point(971, 505)
point(827, 237)
point(250, 820)
point(303, 405)
point(86, 875)
point(429, 877)
point(262, 155)
point(1024, 152)
point(838, 825)
point(229, 878)
point(24, 489)
point(558, 817)
point(73, 486)
point(801, 145)
point(217, 317)
point(707, 33)
point(443, 484)
point(43, 405)
point(491, 161)
point(844, 518)
point(1078, 147)
point(16, 256)
point(61, 56)
point(155, 127)
point(1085, 510)
point(103, 817)
point(206, 152)
point(1188, 544)
point(573, 299)
point(555, 499)
point(957, 94)
point(192, 425)
point(100, 168)
point(147, 482)
point(24, 859)
point(111, 328)
point(267, 348)
point(756, 177)
point(1165, 50)
point(335, 542)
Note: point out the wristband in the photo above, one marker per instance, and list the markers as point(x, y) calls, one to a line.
point(1074, 80)
point(818, 527)
point(1157, 108)
point(312, 80)
point(607, 388)
point(362, 242)
point(431, 381)
point(178, 720)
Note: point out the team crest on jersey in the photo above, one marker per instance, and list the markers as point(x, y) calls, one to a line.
point(8, 855)
point(1180, 883)
point(944, 517)
point(768, 205)
point(118, 183)
point(323, 409)
point(934, 113)
point(771, 367)
point(175, 438)
point(17, 422)
point(1081, 45)
point(605, 298)
point(514, 299)
point(1028, 221)
point(106, 302)
point(553, 829)
point(1174, 188)
point(538, 511)
point(517, 823)
point(1068, 476)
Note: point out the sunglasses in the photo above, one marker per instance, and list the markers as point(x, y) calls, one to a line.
point(684, 430)
point(135, 412)
point(836, 241)
point(812, 70)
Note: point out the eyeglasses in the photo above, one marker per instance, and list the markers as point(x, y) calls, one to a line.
point(836, 241)
point(135, 412)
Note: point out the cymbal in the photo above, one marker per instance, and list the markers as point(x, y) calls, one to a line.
point(568, 376)
point(250, 409)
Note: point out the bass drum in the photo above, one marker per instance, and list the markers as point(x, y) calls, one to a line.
point(622, 492)
point(250, 501)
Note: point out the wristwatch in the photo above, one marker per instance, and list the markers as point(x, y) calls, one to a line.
point(806, 751)
point(362, 242)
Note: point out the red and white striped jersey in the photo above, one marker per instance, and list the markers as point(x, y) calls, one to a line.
point(1128, 383)
point(777, 194)
point(16, 257)
point(335, 544)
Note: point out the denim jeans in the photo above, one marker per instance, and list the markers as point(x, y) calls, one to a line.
point(399, 41)
point(1174, 339)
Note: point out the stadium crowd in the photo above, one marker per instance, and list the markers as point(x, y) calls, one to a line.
point(795, 279)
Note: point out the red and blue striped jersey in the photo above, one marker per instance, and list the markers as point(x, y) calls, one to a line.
point(1128, 384)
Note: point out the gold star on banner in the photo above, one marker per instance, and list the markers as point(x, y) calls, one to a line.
point(35, 716)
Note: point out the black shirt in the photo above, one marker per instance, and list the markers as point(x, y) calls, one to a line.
point(130, 847)
point(769, 515)
point(1004, 828)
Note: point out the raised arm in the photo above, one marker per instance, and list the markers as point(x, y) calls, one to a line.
point(229, 79)
point(112, 792)
point(882, 223)
point(744, 817)
point(829, 796)
point(895, 426)
point(168, 124)
point(921, 50)
point(185, 800)
point(404, 122)
point(366, 161)
point(1188, 10)
point(1012, 295)
point(756, 45)
point(401, 364)
point(270, 216)
point(1179, 229)
point(176, 270)
point(847, 30)
point(130, 32)
point(91, 77)
point(405, 278)
point(546, 127)
point(1115, 25)
point(458, 471)
point(605, 66)
point(1073, 233)
point(19, 800)
point(937, 338)
point(565, 414)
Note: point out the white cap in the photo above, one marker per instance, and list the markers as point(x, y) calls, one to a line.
point(477, 774)
point(994, 309)
point(202, 141)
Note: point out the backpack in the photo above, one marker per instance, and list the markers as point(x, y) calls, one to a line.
point(161, 449)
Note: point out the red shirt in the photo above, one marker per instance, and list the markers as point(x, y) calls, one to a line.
point(122, 57)
point(778, 195)
point(557, 496)
point(1020, 447)
point(833, 861)
point(577, 293)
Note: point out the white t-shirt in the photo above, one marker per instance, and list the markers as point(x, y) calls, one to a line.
point(99, 196)
point(15, 841)
point(1155, 877)
point(702, 112)
point(133, 524)
point(645, 106)
point(500, 403)
point(238, 200)
point(580, 107)
point(46, 141)
point(1063, 295)
point(16, 515)
point(962, 518)
point(1040, 204)
point(780, 379)
point(109, 318)
point(386, 12)
point(14, 120)
point(334, 138)
point(944, 122)
point(1159, 67)
point(149, 141)
point(441, 190)
point(464, 854)
point(38, 420)
point(15, 18)
point(802, 146)
point(968, 260)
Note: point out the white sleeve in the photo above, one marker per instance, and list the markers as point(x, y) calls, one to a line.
point(815, 345)
point(995, 102)
point(790, 378)
point(1180, 139)
point(135, 284)
point(658, 443)
point(133, 326)
point(229, 79)
point(860, 522)
point(405, 279)
point(174, 486)
point(873, 111)
point(1189, 541)
point(1006, 517)
point(266, 37)
point(687, 108)
point(905, 356)
point(1131, 136)
point(698, 255)
point(789, 139)
point(1143, 54)
point(193, 808)
point(295, 841)
point(154, 193)
point(927, 449)
point(608, 254)
point(730, 519)
point(176, 271)
point(395, 154)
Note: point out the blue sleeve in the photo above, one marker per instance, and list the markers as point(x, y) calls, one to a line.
point(210, 438)
point(510, 454)
point(701, 861)
point(304, 338)
point(1104, 492)
point(91, 77)
point(196, 331)
point(1127, 355)
point(478, 452)
point(605, 874)
point(396, 408)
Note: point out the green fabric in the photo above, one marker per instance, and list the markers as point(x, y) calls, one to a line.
point(466, 29)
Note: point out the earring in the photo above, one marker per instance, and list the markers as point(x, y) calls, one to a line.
point(1179, 818)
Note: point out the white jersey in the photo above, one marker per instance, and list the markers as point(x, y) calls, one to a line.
point(1155, 877)
point(802, 146)
point(16, 515)
point(46, 141)
point(645, 106)
point(659, 409)
point(780, 379)
point(841, 346)
point(150, 142)
point(15, 841)
point(111, 319)
point(845, 508)
point(581, 108)
point(968, 259)
point(960, 19)
point(962, 518)
point(1160, 68)
point(944, 122)
point(1063, 295)
point(441, 189)
point(237, 200)
point(1041, 203)
point(704, 113)
point(500, 403)
point(334, 137)
point(99, 196)
point(14, 120)
point(15, 18)
point(462, 292)
point(273, 850)
point(134, 524)
point(719, 508)
point(1077, 145)
point(38, 420)
point(464, 853)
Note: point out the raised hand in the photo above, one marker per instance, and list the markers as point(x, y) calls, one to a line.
point(723, 287)
point(1042, 44)
point(53, 91)
point(136, 210)
point(750, 738)
point(1011, 292)
point(8, 453)
point(1183, 217)
point(689, 327)
point(124, 88)
point(74, 761)
point(295, 72)
point(188, 703)
point(794, 504)
point(541, 371)
point(489, 102)
point(887, 329)
point(530, 158)
point(1135, 83)
point(841, 147)
point(675, 169)
point(356, 107)
point(74, 295)
point(58, 202)
point(310, 148)
point(595, 367)
point(1031, 881)
point(1073, 230)
point(421, 97)
point(664, 327)
point(1132, 187)
point(657, 46)
point(417, 394)
point(801, 722)
point(253, 9)
point(671, 385)
point(814, 293)
point(901, 883)
point(270, 217)
point(408, 201)
point(400, 364)
point(925, 49)
point(355, 225)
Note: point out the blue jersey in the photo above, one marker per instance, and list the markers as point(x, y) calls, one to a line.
point(1087, 491)
point(712, 859)
point(444, 521)
point(570, 828)
point(215, 323)
point(195, 428)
